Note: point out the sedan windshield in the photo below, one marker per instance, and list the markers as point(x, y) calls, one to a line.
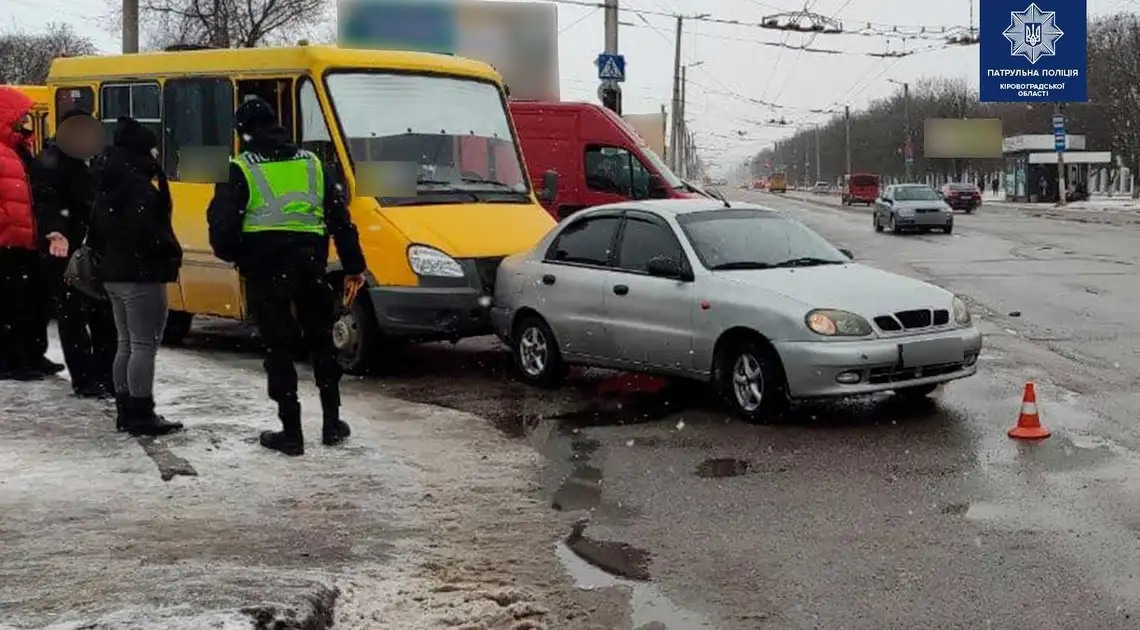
point(915, 193)
point(754, 239)
point(420, 138)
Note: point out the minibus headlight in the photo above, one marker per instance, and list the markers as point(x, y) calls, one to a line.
point(428, 261)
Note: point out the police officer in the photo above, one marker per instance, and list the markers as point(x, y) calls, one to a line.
point(273, 218)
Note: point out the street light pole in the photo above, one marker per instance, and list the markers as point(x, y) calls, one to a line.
point(130, 26)
point(908, 150)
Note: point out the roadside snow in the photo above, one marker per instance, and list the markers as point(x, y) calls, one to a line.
point(427, 518)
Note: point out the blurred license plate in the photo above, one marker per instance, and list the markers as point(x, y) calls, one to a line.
point(931, 352)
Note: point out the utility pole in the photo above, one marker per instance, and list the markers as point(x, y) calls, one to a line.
point(675, 137)
point(684, 159)
point(818, 169)
point(908, 150)
point(1060, 146)
point(130, 26)
point(610, 91)
point(847, 134)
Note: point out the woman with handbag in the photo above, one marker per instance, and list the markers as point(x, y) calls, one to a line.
point(136, 254)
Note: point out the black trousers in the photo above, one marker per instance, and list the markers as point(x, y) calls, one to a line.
point(22, 290)
point(86, 328)
point(280, 303)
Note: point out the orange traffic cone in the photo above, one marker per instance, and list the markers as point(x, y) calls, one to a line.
point(1028, 422)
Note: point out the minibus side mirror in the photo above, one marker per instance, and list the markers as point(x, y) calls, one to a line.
point(657, 189)
point(549, 190)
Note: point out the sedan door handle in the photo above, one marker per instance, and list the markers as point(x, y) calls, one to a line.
point(548, 279)
point(621, 289)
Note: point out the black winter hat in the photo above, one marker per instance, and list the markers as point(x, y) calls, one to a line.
point(132, 136)
point(253, 114)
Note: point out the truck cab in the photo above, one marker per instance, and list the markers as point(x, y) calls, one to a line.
point(598, 157)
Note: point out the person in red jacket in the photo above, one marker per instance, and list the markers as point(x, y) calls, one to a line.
point(20, 357)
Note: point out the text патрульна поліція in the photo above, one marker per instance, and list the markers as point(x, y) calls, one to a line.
point(1033, 90)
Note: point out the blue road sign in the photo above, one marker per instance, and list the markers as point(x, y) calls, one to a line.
point(611, 67)
point(1059, 143)
point(1033, 51)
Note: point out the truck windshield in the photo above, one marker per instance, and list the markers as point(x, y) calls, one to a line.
point(669, 176)
point(427, 138)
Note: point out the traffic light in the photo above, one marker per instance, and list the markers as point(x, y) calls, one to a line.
point(611, 99)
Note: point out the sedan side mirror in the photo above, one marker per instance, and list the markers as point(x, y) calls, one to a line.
point(848, 253)
point(549, 190)
point(666, 267)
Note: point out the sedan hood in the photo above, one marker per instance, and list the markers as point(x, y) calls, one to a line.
point(851, 287)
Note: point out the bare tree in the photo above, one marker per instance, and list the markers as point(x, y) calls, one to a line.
point(230, 23)
point(1107, 120)
point(1114, 92)
point(25, 58)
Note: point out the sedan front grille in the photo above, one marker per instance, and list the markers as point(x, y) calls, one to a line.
point(912, 320)
point(928, 210)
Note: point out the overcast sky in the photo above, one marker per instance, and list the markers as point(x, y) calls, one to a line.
point(736, 67)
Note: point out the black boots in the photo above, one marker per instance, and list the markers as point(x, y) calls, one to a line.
point(289, 440)
point(142, 420)
point(334, 430)
point(122, 411)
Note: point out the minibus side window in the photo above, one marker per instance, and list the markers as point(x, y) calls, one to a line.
point(198, 116)
point(139, 100)
point(69, 98)
point(314, 131)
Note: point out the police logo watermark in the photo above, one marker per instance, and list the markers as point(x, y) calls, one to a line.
point(1033, 33)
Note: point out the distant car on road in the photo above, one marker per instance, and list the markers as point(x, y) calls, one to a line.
point(960, 196)
point(820, 188)
point(860, 188)
point(742, 296)
point(912, 207)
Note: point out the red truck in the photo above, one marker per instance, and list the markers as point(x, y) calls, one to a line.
point(598, 157)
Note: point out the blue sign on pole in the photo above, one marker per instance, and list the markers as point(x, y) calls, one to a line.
point(1059, 140)
point(1033, 51)
point(611, 67)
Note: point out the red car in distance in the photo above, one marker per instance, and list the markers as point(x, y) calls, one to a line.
point(961, 196)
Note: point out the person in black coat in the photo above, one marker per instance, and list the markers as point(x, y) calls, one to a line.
point(63, 191)
point(137, 255)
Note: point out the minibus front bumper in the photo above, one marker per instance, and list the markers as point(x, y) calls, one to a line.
point(431, 313)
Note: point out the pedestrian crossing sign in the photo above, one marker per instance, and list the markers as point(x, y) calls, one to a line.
point(611, 67)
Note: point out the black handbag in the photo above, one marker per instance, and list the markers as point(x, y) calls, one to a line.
point(83, 273)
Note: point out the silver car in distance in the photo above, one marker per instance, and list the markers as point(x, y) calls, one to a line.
point(738, 295)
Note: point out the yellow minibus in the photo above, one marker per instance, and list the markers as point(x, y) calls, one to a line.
point(422, 143)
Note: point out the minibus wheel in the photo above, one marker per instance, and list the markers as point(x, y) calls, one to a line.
point(355, 336)
point(178, 325)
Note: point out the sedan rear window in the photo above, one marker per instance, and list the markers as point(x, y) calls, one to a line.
point(727, 239)
point(915, 193)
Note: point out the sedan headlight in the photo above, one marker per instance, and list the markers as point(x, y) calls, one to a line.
point(832, 323)
point(961, 313)
point(906, 212)
point(428, 261)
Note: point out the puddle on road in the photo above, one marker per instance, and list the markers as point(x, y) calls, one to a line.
point(582, 490)
point(647, 603)
point(720, 467)
point(615, 558)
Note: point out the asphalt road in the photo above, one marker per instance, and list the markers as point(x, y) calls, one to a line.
point(863, 515)
point(868, 514)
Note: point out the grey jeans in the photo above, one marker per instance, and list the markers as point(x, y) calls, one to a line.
point(140, 317)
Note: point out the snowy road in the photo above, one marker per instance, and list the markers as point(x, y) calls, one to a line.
point(452, 503)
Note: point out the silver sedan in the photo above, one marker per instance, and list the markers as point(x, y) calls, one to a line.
point(912, 207)
point(741, 296)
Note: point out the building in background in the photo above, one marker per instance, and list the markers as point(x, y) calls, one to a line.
point(651, 128)
point(520, 39)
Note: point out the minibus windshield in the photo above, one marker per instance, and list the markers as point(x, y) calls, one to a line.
point(428, 138)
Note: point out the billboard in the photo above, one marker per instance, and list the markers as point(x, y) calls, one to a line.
point(965, 138)
point(520, 39)
point(1033, 51)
